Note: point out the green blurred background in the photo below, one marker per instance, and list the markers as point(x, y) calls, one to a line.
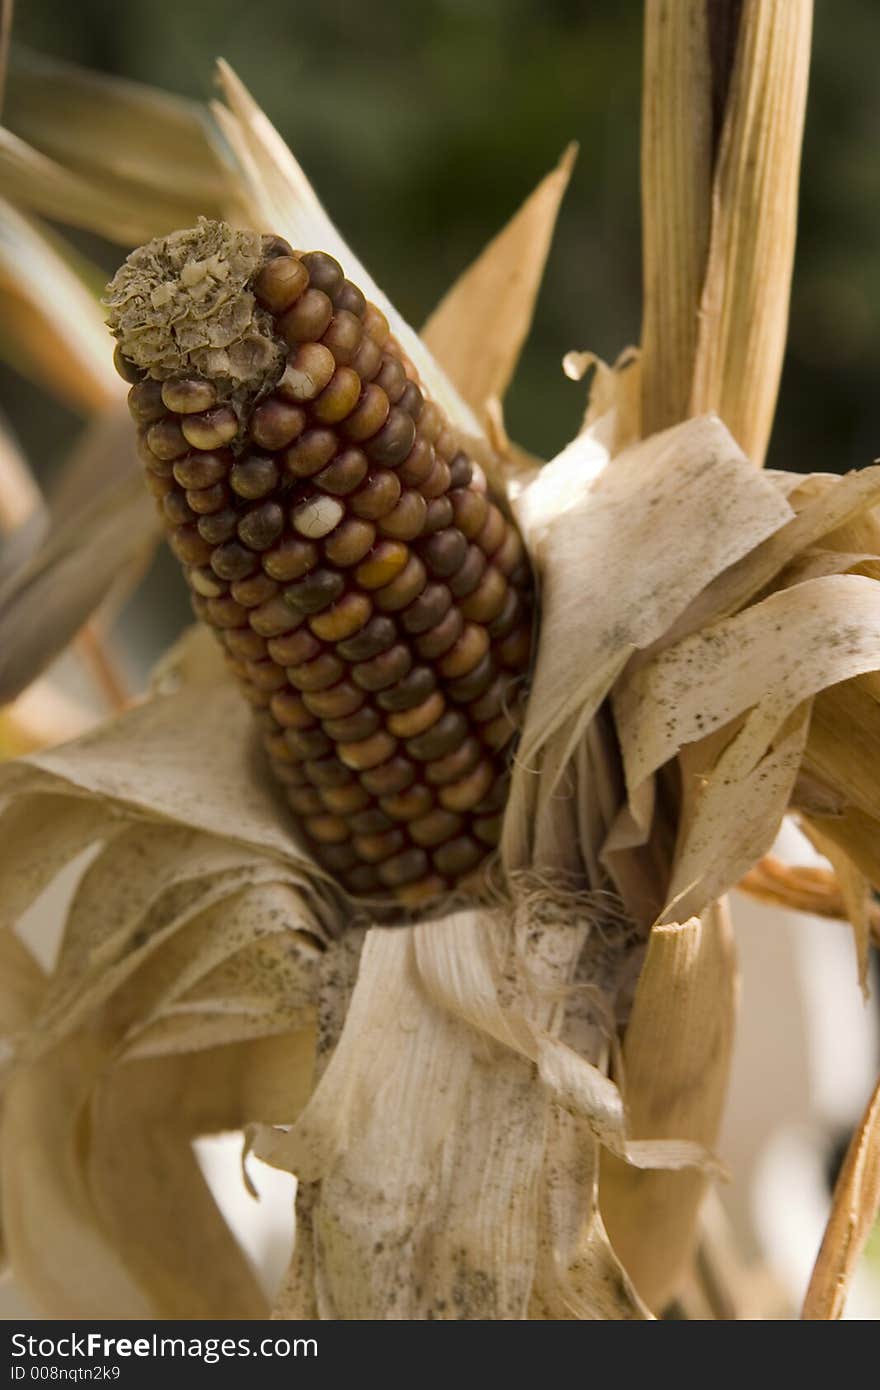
point(425, 124)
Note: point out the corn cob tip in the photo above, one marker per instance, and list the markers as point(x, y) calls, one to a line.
point(374, 602)
point(183, 305)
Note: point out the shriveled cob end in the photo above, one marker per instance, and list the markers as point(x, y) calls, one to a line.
point(374, 602)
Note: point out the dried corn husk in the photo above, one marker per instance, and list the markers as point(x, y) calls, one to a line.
point(446, 990)
point(52, 326)
point(119, 134)
point(89, 543)
point(493, 301)
point(854, 1209)
point(720, 225)
point(101, 534)
point(446, 1119)
point(115, 183)
point(676, 1057)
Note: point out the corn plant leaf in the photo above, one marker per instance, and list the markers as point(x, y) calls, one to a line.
point(743, 316)
point(855, 892)
point(733, 804)
point(857, 835)
point(478, 329)
point(154, 908)
point(19, 494)
point(279, 198)
point(832, 632)
point(244, 968)
point(844, 745)
point(820, 514)
point(172, 1238)
point(40, 834)
point(80, 1137)
point(52, 326)
point(119, 134)
point(613, 417)
point(598, 606)
point(184, 758)
point(34, 181)
point(854, 1209)
point(49, 1221)
point(454, 1123)
point(676, 1056)
point(87, 554)
point(21, 987)
point(676, 202)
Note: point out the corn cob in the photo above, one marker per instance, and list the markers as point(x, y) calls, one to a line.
point(373, 601)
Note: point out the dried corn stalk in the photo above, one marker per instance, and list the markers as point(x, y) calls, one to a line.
point(444, 1091)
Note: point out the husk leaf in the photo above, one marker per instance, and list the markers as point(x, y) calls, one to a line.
point(423, 1165)
point(43, 186)
point(478, 329)
point(676, 200)
point(274, 195)
point(676, 1061)
point(120, 135)
point(92, 550)
point(52, 327)
point(854, 1209)
point(599, 607)
point(743, 315)
point(855, 892)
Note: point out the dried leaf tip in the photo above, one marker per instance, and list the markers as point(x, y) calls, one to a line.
point(183, 303)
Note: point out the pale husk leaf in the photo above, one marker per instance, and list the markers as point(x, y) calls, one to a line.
point(19, 494)
point(41, 715)
point(425, 1147)
point(22, 983)
point(598, 606)
point(101, 547)
point(121, 135)
point(831, 630)
point(34, 181)
point(854, 1209)
point(843, 750)
point(676, 1054)
point(743, 315)
point(613, 417)
point(176, 941)
point(820, 510)
point(150, 887)
point(478, 329)
point(80, 1139)
point(52, 326)
point(676, 202)
point(182, 758)
point(276, 196)
point(733, 806)
point(855, 892)
point(856, 835)
point(40, 834)
point(48, 1216)
point(244, 968)
point(737, 790)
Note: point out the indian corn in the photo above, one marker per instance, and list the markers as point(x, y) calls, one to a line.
point(374, 601)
